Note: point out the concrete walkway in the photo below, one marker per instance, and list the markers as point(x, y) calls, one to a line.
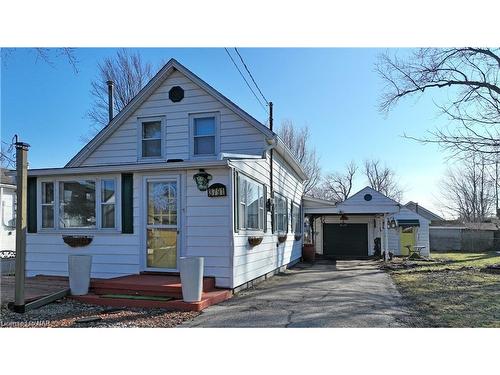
point(346, 294)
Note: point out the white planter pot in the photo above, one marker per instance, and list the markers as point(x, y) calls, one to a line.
point(79, 274)
point(191, 278)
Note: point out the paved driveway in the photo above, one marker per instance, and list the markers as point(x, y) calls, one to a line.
point(348, 294)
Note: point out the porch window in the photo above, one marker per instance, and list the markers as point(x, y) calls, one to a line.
point(77, 204)
point(151, 139)
point(280, 213)
point(251, 204)
point(296, 221)
point(108, 202)
point(204, 134)
point(47, 205)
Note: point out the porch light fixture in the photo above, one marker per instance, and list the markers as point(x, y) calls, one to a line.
point(393, 224)
point(202, 180)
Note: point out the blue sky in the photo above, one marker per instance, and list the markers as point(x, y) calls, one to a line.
point(334, 91)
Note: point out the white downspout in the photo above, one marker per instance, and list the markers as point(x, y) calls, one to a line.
point(386, 239)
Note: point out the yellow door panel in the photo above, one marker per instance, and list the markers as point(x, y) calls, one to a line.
point(407, 238)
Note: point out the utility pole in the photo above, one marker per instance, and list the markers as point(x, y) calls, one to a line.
point(22, 188)
point(496, 186)
point(271, 167)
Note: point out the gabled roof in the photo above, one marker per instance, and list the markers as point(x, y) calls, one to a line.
point(356, 204)
point(171, 66)
point(419, 209)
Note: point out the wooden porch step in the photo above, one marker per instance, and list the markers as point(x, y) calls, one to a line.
point(208, 298)
point(146, 285)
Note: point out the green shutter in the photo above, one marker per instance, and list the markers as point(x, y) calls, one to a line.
point(127, 203)
point(31, 206)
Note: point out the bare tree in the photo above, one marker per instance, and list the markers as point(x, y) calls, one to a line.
point(471, 78)
point(468, 190)
point(383, 179)
point(47, 55)
point(337, 186)
point(129, 73)
point(297, 140)
point(7, 156)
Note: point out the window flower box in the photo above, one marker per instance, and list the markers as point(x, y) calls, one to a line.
point(282, 237)
point(255, 240)
point(77, 241)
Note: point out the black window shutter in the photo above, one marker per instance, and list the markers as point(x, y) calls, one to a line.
point(31, 206)
point(127, 203)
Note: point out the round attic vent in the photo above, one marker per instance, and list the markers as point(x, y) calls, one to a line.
point(176, 94)
point(368, 197)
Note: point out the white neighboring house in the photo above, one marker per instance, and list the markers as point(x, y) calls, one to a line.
point(349, 229)
point(131, 191)
point(7, 212)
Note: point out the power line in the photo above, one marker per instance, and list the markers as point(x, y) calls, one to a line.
point(242, 76)
point(250, 74)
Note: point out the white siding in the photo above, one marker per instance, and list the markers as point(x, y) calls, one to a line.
point(113, 253)
point(252, 262)
point(236, 135)
point(204, 225)
point(7, 234)
point(208, 228)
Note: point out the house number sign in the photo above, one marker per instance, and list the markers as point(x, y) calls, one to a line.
point(217, 190)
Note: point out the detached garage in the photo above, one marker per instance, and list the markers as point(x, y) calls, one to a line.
point(366, 222)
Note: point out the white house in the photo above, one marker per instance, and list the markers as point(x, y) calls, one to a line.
point(351, 229)
point(134, 199)
point(7, 212)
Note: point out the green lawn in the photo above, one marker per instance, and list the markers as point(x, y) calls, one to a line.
point(452, 291)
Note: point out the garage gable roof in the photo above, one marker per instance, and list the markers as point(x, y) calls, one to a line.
point(369, 200)
point(365, 201)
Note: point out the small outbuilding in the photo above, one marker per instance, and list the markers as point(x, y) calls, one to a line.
point(364, 224)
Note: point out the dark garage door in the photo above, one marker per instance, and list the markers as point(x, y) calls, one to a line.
point(349, 241)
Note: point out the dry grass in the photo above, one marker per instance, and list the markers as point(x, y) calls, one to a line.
point(453, 291)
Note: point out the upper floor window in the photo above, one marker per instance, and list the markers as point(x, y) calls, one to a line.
point(204, 134)
point(151, 138)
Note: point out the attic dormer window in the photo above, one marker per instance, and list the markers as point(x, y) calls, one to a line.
point(151, 138)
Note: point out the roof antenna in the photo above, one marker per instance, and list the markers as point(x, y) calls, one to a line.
point(110, 99)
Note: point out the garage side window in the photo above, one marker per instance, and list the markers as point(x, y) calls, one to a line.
point(251, 204)
point(280, 213)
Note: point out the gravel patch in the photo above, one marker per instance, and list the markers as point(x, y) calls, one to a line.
point(69, 313)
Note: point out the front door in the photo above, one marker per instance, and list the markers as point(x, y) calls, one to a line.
point(407, 239)
point(161, 224)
